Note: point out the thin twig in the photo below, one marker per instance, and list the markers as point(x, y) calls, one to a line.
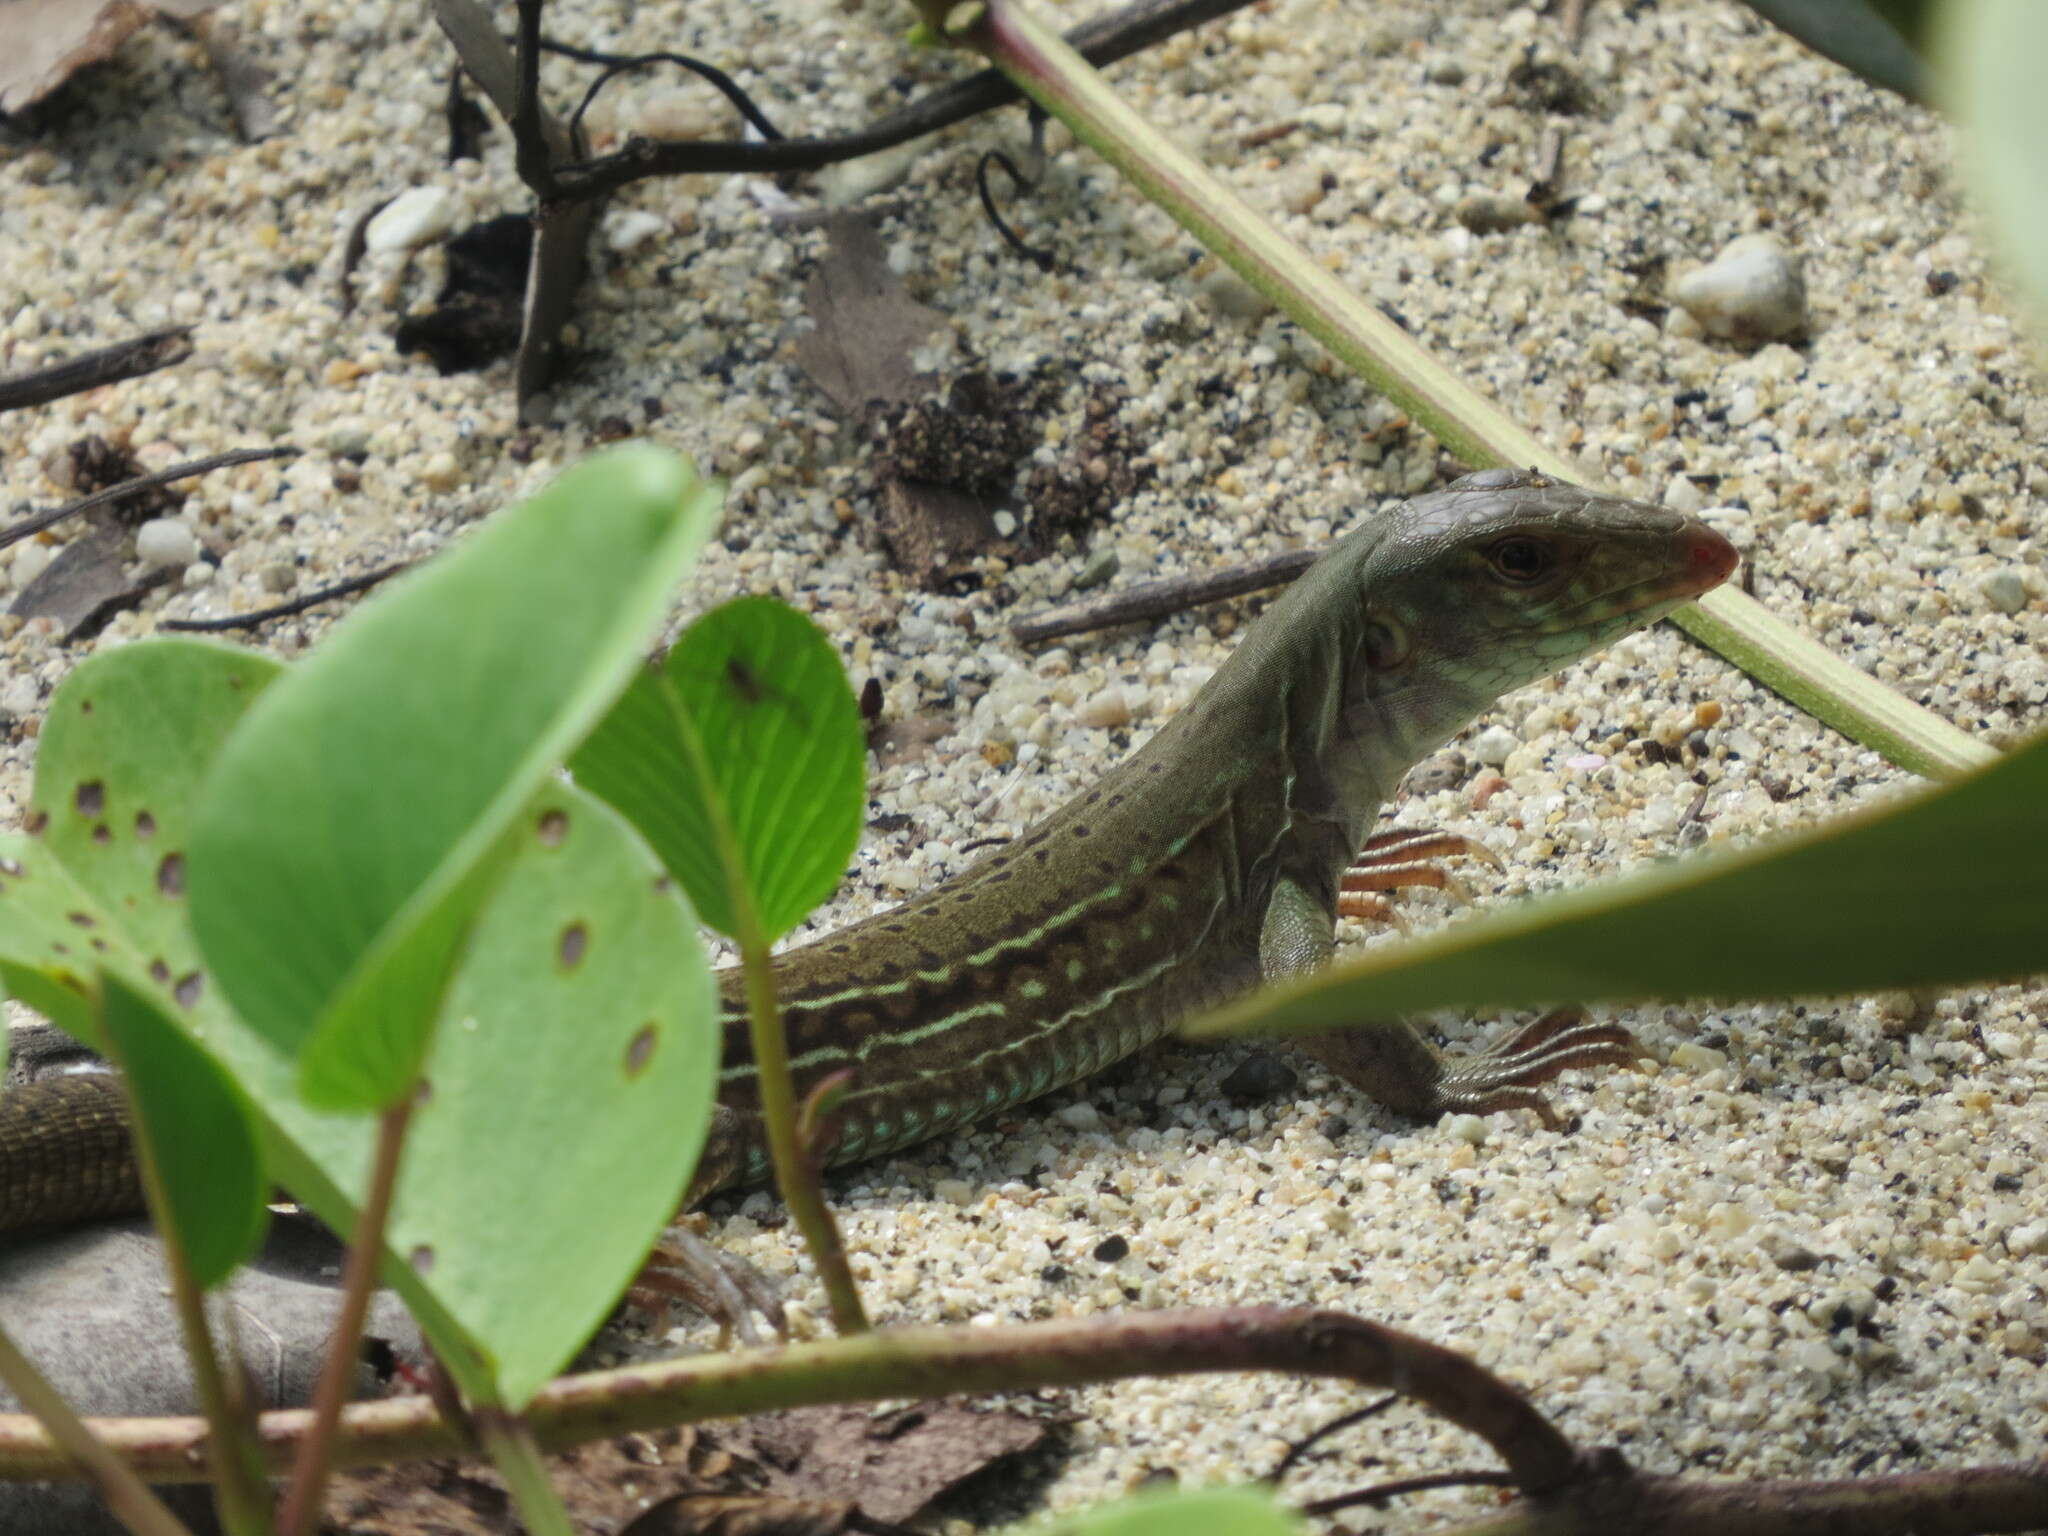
point(619, 63)
point(302, 1501)
point(1103, 40)
point(357, 243)
point(532, 154)
point(37, 522)
point(1378, 1495)
point(1300, 1449)
point(128, 359)
point(1157, 599)
point(300, 604)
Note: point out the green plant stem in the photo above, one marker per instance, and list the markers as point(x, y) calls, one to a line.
point(337, 1373)
point(510, 1446)
point(796, 1171)
point(240, 1494)
point(79, 1450)
point(1039, 62)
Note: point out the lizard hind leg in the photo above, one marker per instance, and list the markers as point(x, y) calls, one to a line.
point(1389, 1061)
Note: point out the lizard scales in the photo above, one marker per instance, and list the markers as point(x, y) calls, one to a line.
point(1211, 858)
point(1208, 861)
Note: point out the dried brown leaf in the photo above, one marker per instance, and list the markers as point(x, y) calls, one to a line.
point(865, 323)
point(48, 41)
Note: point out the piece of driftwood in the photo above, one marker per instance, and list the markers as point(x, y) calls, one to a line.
point(128, 359)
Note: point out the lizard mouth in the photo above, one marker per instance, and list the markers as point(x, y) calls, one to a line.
point(1703, 560)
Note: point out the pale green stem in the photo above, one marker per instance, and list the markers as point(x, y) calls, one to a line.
point(796, 1171)
point(796, 1176)
point(1041, 65)
point(510, 1446)
point(240, 1489)
point(126, 1494)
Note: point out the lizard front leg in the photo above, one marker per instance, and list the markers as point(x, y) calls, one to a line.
point(1388, 1060)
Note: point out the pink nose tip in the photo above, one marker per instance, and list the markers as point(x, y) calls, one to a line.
point(1712, 558)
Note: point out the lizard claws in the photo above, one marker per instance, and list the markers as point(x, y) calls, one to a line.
point(1399, 859)
point(1506, 1075)
point(727, 1289)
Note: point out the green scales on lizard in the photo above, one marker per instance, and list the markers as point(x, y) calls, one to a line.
point(1213, 859)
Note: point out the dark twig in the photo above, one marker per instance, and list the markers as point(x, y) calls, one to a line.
point(534, 154)
point(1039, 256)
point(357, 243)
point(1103, 40)
point(620, 63)
point(299, 604)
point(128, 359)
point(1156, 599)
point(1300, 1449)
point(36, 523)
point(1378, 1495)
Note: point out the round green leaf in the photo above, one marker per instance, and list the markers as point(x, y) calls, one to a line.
point(777, 731)
point(341, 838)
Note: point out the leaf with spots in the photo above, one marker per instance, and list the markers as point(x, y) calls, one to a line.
point(567, 1094)
point(344, 839)
point(755, 693)
point(129, 738)
point(199, 1127)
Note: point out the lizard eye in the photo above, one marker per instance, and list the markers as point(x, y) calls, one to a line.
point(1521, 560)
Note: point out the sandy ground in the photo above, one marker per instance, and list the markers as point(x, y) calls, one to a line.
point(1813, 1240)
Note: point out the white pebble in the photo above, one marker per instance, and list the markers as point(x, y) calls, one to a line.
point(1752, 290)
point(1494, 745)
point(164, 542)
point(1980, 1277)
point(632, 227)
point(1469, 1129)
point(31, 558)
point(417, 216)
point(1081, 1115)
point(2005, 590)
point(1694, 1057)
point(2028, 1241)
point(1106, 710)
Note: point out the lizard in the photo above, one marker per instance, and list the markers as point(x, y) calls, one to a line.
point(1213, 859)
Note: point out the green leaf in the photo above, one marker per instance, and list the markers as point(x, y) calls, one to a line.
point(568, 1094)
point(1991, 59)
point(1174, 1512)
point(764, 692)
point(1908, 894)
point(340, 840)
point(200, 1130)
point(135, 729)
point(1858, 34)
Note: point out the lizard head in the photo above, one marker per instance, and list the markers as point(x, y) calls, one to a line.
point(1506, 576)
